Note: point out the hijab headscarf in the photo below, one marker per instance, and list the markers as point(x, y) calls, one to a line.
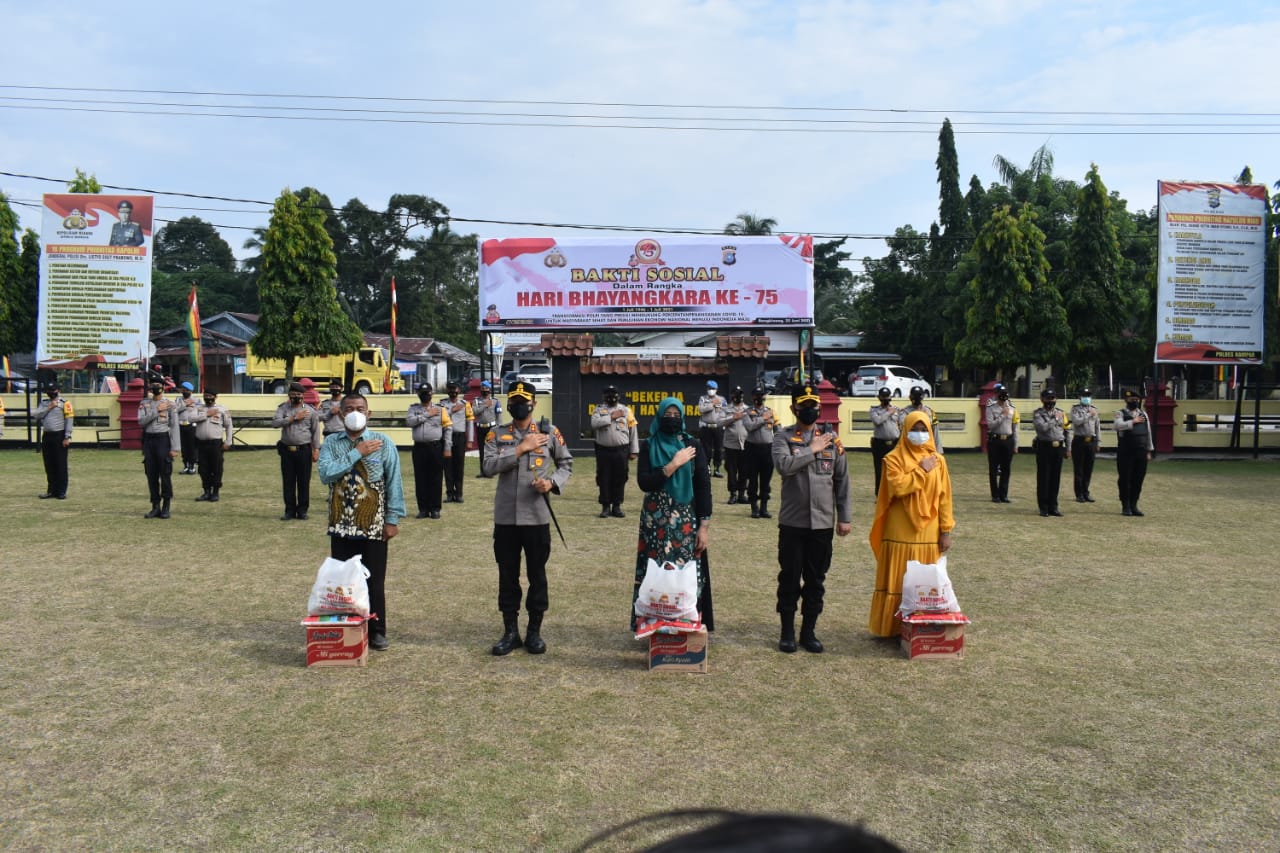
point(662, 447)
point(922, 505)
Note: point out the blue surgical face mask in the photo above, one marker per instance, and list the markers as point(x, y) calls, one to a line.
point(918, 438)
point(1084, 401)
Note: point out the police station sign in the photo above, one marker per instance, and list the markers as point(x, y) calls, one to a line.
point(537, 283)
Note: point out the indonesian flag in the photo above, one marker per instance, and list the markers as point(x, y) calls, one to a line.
point(193, 337)
point(391, 356)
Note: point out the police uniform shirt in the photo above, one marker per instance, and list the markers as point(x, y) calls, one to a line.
point(429, 422)
point(1001, 417)
point(187, 410)
point(486, 411)
point(1048, 423)
point(1128, 430)
point(1084, 423)
point(735, 430)
point(615, 432)
point(213, 423)
point(710, 410)
point(759, 424)
point(126, 234)
point(815, 487)
point(304, 431)
point(55, 416)
point(331, 416)
point(886, 422)
point(515, 500)
point(155, 422)
point(459, 412)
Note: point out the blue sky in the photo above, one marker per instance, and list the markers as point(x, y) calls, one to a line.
point(1008, 74)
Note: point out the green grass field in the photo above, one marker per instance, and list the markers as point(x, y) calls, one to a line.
point(1121, 689)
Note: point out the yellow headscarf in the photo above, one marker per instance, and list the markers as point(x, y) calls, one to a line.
point(922, 503)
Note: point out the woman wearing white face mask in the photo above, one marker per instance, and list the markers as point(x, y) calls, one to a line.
point(913, 518)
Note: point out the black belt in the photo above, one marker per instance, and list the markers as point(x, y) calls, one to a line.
point(885, 440)
point(995, 437)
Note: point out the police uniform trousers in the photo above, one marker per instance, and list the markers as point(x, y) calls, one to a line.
point(1048, 474)
point(209, 454)
point(455, 465)
point(428, 474)
point(1131, 465)
point(1084, 451)
point(482, 435)
point(712, 439)
point(611, 473)
point(373, 553)
point(734, 469)
point(190, 455)
point(759, 464)
point(295, 471)
point(509, 542)
point(999, 464)
point(880, 448)
point(158, 464)
point(55, 462)
point(804, 556)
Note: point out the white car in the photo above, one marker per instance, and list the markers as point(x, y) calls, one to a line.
point(537, 375)
point(870, 378)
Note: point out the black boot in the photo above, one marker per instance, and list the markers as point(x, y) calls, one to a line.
point(1127, 510)
point(213, 496)
point(764, 510)
point(617, 512)
point(510, 637)
point(533, 642)
point(1133, 510)
point(733, 498)
point(604, 511)
point(755, 510)
point(716, 473)
point(155, 510)
point(787, 641)
point(164, 508)
point(742, 497)
point(808, 640)
point(207, 495)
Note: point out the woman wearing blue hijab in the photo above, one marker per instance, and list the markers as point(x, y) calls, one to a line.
point(672, 472)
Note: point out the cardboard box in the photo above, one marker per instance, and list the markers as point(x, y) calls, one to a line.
point(682, 652)
point(937, 636)
point(339, 640)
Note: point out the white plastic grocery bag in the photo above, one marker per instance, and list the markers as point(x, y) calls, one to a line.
point(669, 591)
point(926, 587)
point(340, 587)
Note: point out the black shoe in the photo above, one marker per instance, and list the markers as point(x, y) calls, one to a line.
point(996, 501)
point(422, 514)
point(458, 499)
point(810, 643)
point(1044, 515)
point(435, 513)
point(604, 512)
point(509, 642)
point(1126, 510)
point(1089, 499)
point(46, 495)
point(288, 516)
point(1079, 500)
point(733, 499)
point(1054, 512)
point(1136, 511)
point(213, 498)
point(1005, 501)
point(204, 497)
point(755, 511)
point(787, 645)
point(617, 512)
point(764, 513)
point(533, 643)
point(164, 510)
point(62, 497)
point(448, 499)
point(378, 642)
point(716, 473)
point(302, 516)
point(155, 511)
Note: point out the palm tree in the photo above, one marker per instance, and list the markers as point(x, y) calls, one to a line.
point(748, 223)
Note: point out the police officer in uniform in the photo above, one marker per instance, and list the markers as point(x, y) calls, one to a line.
point(213, 437)
point(760, 424)
point(815, 504)
point(1134, 444)
point(56, 419)
point(299, 449)
point(710, 418)
point(886, 427)
point(430, 424)
point(530, 460)
point(1050, 444)
point(460, 417)
point(125, 232)
point(331, 411)
point(735, 440)
point(917, 405)
point(617, 443)
point(487, 411)
point(161, 442)
point(1001, 419)
point(186, 427)
point(1085, 433)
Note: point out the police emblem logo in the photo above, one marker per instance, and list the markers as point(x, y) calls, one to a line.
point(729, 255)
point(554, 259)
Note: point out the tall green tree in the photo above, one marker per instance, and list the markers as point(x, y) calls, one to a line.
point(10, 276)
point(299, 310)
point(25, 309)
point(1098, 304)
point(189, 244)
point(748, 224)
point(1017, 313)
point(84, 183)
point(885, 293)
point(834, 287)
point(444, 286)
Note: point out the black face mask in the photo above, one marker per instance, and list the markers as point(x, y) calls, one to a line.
point(611, 400)
point(186, 395)
point(295, 400)
point(757, 401)
point(808, 416)
point(670, 426)
point(1133, 404)
point(208, 401)
point(1002, 397)
point(520, 411)
point(424, 397)
point(1049, 404)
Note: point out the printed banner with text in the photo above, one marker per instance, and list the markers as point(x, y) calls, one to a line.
point(95, 280)
point(674, 280)
point(1210, 272)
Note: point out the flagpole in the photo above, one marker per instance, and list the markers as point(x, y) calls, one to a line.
point(391, 355)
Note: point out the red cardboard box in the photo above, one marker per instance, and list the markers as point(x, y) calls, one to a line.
point(933, 636)
point(681, 652)
point(337, 640)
